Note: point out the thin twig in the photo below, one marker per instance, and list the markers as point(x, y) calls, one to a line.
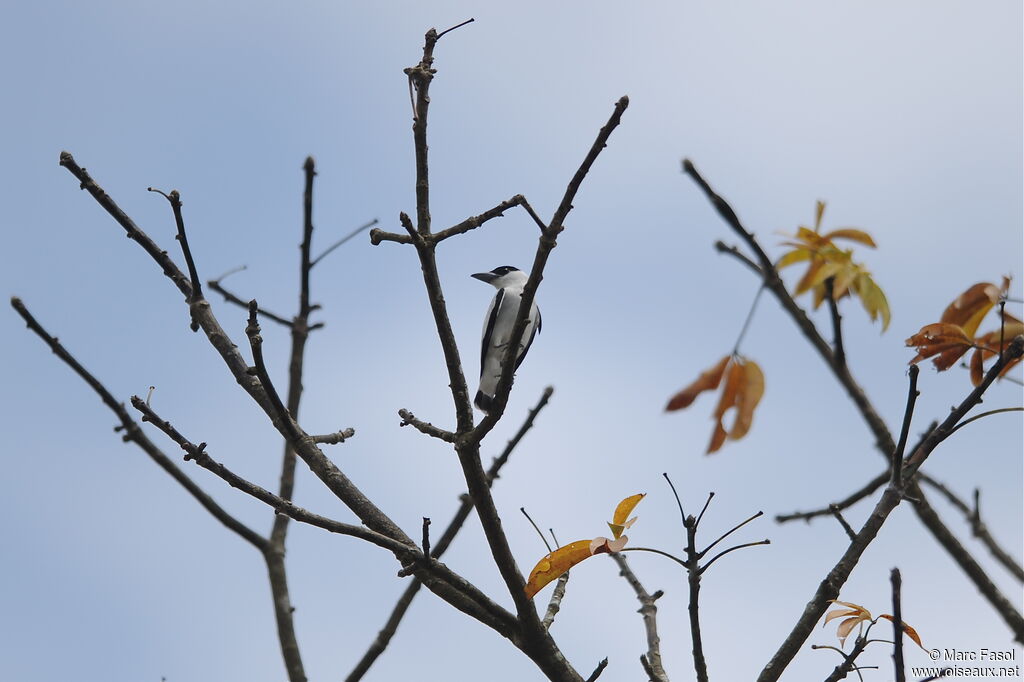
point(845, 503)
point(726, 534)
point(838, 352)
point(555, 603)
point(908, 416)
point(529, 518)
point(354, 233)
point(215, 285)
point(721, 554)
point(409, 419)
point(842, 522)
point(746, 322)
point(897, 626)
point(983, 415)
point(197, 290)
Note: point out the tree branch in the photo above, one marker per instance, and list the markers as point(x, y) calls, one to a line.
point(649, 612)
point(978, 527)
point(897, 626)
point(134, 434)
point(454, 526)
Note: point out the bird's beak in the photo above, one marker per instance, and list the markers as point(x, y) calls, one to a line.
point(485, 276)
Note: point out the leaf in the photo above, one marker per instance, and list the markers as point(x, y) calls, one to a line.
point(622, 511)
point(707, 381)
point(553, 565)
point(749, 396)
point(977, 367)
point(601, 545)
point(728, 399)
point(946, 340)
point(970, 307)
point(853, 234)
point(910, 632)
point(797, 255)
point(854, 614)
point(819, 212)
point(873, 299)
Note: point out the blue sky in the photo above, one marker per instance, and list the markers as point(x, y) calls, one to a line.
point(906, 118)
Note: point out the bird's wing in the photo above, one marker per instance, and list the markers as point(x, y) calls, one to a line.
point(533, 333)
point(492, 318)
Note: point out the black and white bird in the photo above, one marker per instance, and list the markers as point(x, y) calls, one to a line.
point(501, 317)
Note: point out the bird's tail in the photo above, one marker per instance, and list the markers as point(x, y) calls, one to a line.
point(483, 401)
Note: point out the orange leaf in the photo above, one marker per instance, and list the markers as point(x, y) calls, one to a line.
point(552, 565)
point(707, 381)
point(847, 626)
point(948, 341)
point(619, 523)
point(970, 307)
point(910, 632)
point(977, 366)
point(728, 399)
point(749, 396)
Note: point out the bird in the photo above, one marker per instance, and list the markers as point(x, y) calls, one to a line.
point(498, 323)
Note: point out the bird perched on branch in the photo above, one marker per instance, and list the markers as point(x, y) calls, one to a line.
point(501, 317)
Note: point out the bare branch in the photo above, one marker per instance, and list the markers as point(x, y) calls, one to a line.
point(476, 221)
point(398, 612)
point(908, 416)
point(598, 670)
point(215, 285)
point(649, 612)
point(555, 604)
point(838, 352)
point(334, 438)
point(134, 434)
point(845, 503)
point(721, 554)
point(897, 626)
point(978, 527)
point(197, 291)
point(729, 532)
point(409, 419)
point(842, 522)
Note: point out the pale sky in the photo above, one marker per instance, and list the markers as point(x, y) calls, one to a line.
point(905, 117)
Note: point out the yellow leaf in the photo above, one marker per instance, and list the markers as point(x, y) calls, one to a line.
point(819, 212)
point(853, 234)
point(795, 256)
point(622, 512)
point(552, 565)
point(873, 299)
point(707, 381)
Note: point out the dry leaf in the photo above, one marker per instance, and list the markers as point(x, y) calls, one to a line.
point(948, 341)
point(910, 632)
point(749, 397)
point(854, 614)
point(707, 381)
point(970, 307)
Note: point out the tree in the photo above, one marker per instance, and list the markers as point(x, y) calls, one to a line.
point(525, 630)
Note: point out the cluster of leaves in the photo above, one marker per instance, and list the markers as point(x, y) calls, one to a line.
point(742, 390)
point(956, 333)
point(830, 271)
point(827, 262)
point(855, 615)
point(555, 563)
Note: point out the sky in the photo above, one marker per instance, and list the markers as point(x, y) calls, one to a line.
point(906, 118)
